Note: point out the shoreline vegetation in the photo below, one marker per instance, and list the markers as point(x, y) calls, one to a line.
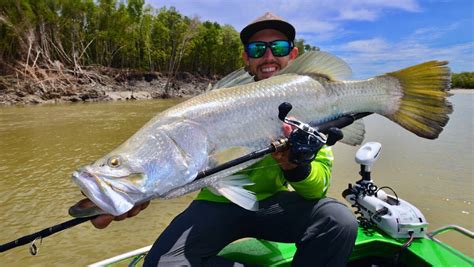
point(94, 50)
point(87, 50)
point(54, 51)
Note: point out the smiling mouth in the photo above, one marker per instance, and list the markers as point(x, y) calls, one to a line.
point(268, 69)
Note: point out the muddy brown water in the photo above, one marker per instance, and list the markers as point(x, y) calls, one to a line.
point(41, 145)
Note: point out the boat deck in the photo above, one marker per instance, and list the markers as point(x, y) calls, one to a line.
point(372, 247)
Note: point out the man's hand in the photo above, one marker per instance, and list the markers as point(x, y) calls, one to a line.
point(283, 156)
point(334, 134)
point(102, 221)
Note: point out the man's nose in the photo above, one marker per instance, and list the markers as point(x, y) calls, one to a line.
point(268, 54)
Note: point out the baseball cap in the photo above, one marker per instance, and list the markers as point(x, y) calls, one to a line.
point(267, 21)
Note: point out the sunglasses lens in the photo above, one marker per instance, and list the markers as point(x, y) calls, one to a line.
point(256, 49)
point(280, 48)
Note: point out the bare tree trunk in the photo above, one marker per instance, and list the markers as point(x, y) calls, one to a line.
point(176, 62)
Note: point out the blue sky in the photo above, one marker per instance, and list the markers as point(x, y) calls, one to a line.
point(373, 36)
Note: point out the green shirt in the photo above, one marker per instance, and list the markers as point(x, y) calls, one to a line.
point(268, 179)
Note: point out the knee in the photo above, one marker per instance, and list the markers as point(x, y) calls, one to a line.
point(335, 219)
point(348, 225)
point(344, 217)
point(343, 222)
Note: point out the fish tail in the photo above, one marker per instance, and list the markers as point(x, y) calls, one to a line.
point(424, 107)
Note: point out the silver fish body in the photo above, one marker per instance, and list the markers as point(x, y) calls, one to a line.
point(162, 159)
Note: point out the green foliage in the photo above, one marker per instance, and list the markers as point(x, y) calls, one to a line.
point(463, 80)
point(116, 33)
point(302, 47)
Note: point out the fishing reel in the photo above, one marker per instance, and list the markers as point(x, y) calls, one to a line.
point(375, 207)
point(304, 141)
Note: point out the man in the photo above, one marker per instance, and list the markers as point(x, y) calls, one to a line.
point(323, 229)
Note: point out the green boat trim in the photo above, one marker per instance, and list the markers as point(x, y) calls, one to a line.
point(372, 247)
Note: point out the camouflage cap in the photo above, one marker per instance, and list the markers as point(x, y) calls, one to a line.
point(267, 21)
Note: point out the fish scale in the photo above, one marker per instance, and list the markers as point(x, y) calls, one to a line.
point(167, 153)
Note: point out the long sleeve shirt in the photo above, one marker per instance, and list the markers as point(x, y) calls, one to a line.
point(268, 179)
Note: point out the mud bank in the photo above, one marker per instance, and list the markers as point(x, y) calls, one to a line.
point(99, 85)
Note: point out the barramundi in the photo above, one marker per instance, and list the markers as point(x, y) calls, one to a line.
point(163, 158)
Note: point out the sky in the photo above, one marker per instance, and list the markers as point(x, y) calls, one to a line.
point(372, 36)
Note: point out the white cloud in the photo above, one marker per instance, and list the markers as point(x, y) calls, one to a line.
point(371, 10)
point(358, 14)
point(367, 63)
point(310, 15)
point(374, 56)
point(373, 45)
point(314, 26)
point(407, 5)
point(326, 23)
point(429, 34)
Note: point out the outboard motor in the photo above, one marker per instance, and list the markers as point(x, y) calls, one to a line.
point(394, 216)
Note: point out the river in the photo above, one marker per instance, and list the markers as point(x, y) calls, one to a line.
point(41, 145)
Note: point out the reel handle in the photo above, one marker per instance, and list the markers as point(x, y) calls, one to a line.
point(283, 110)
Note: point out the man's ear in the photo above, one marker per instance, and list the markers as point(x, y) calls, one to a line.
point(294, 53)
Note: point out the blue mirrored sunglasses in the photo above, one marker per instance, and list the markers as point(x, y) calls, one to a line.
point(279, 48)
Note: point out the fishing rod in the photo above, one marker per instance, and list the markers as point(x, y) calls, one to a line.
point(42, 234)
point(279, 145)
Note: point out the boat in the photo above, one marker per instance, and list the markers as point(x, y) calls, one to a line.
point(386, 235)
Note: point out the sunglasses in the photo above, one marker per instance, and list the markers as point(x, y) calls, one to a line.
point(279, 48)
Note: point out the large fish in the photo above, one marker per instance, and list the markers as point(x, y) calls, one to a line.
point(162, 159)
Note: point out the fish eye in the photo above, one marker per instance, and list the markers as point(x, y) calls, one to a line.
point(114, 162)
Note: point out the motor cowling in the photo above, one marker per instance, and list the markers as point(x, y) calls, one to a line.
point(396, 217)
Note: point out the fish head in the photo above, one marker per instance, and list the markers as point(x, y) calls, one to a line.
point(148, 165)
point(114, 183)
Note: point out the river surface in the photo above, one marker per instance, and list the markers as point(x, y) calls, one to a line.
point(41, 145)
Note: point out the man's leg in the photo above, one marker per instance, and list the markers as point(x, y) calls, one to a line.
point(195, 236)
point(329, 238)
point(324, 231)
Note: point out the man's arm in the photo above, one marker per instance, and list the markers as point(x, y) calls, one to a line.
point(310, 179)
point(316, 182)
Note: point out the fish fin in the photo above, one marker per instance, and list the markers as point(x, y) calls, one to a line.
point(238, 77)
point(209, 87)
point(226, 155)
point(354, 134)
point(231, 187)
point(319, 65)
point(424, 107)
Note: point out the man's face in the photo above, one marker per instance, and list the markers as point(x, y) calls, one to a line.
point(268, 64)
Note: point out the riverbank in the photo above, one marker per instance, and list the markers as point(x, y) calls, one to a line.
point(99, 84)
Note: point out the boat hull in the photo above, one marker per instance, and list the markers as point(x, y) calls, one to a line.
point(372, 247)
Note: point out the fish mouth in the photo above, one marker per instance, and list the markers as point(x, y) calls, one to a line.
point(111, 197)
